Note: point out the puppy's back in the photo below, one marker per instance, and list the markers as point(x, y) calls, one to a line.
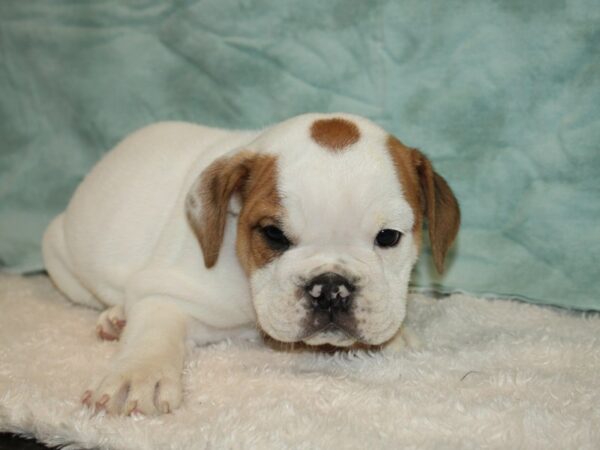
point(125, 205)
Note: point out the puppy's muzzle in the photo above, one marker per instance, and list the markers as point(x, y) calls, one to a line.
point(330, 293)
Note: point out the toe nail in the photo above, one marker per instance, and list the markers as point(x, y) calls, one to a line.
point(101, 403)
point(107, 336)
point(86, 397)
point(132, 408)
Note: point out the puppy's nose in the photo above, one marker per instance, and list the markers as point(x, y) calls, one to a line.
point(330, 292)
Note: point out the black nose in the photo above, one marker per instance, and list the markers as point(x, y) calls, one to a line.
point(330, 292)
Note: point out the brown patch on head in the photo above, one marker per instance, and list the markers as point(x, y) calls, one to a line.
point(334, 134)
point(429, 196)
point(254, 178)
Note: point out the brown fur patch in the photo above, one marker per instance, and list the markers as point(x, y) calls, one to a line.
point(334, 134)
point(408, 177)
point(261, 207)
point(429, 195)
point(251, 175)
point(207, 201)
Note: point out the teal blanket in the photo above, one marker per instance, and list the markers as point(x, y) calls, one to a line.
point(504, 96)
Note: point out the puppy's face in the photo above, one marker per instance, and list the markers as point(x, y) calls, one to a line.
point(329, 228)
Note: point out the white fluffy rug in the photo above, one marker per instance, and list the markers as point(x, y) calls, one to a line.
point(489, 374)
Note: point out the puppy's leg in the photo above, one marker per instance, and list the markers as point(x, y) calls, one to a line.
point(145, 376)
point(111, 322)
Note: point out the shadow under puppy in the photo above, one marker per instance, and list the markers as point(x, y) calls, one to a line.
point(307, 230)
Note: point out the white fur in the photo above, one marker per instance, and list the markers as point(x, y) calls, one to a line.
point(124, 240)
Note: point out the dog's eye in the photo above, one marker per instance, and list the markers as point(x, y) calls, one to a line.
point(388, 238)
point(275, 238)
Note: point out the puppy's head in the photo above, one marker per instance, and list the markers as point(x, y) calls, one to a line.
point(330, 225)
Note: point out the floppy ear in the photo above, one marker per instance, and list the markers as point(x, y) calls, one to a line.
point(440, 207)
point(207, 201)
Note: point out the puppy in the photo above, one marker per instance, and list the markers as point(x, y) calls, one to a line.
point(307, 230)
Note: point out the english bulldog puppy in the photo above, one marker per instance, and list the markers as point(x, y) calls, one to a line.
point(305, 231)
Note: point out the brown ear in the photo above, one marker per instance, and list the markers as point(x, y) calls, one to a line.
point(440, 207)
point(208, 199)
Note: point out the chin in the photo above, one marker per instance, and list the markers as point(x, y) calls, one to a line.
point(336, 338)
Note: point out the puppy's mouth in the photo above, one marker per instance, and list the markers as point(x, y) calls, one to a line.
point(331, 334)
point(325, 328)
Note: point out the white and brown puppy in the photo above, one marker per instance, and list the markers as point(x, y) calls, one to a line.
point(307, 230)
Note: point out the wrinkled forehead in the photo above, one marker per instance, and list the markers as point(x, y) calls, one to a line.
point(336, 178)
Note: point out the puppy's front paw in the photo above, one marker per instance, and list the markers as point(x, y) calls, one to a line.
point(143, 389)
point(110, 323)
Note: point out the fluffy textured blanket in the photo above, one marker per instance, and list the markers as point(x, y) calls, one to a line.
point(487, 374)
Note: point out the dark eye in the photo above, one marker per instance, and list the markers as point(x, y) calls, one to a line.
point(388, 238)
point(275, 238)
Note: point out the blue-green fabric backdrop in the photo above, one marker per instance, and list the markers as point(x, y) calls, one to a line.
point(503, 95)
